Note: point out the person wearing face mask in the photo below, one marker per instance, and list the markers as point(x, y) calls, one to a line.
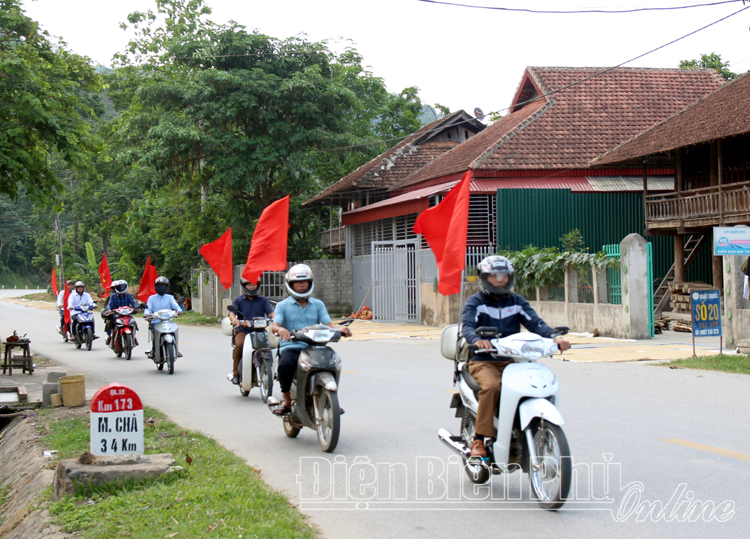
point(253, 305)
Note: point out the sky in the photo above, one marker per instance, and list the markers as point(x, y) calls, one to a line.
point(459, 57)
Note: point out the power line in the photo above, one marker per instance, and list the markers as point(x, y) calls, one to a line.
point(552, 91)
point(579, 11)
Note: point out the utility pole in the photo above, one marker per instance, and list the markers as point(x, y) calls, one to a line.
point(60, 252)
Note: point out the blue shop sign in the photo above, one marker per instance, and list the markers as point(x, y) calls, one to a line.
point(706, 307)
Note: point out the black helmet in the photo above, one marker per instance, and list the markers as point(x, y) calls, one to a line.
point(248, 292)
point(120, 286)
point(497, 266)
point(161, 285)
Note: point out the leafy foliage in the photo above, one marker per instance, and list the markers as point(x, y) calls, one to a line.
point(540, 267)
point(712, 60)
point(41, 106)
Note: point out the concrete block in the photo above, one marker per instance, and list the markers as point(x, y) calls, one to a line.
point(91, 471)
point(48, 388)
point(54, 376)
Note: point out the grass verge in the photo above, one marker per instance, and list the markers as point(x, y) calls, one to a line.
point(42, 296)
point(736, 364)
point(217, 495)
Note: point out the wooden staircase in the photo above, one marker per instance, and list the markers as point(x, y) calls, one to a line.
point(662, 293)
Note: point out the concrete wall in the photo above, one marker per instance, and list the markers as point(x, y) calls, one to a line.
point(362, 279)
point(333, 285)
point(439, 310)
point(634, 279)
point(735, 324)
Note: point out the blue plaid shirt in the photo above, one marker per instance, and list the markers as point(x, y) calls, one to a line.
point(116, 301)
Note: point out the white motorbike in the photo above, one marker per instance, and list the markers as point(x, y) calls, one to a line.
point(529, 425)
point(165, 335)
point(256, 365)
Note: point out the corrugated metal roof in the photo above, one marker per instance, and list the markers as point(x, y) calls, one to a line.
point(406, 197)
point(630, 183)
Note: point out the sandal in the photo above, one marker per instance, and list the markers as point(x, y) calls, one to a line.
point(282, 411)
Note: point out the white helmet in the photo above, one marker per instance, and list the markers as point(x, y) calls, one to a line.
point(299, 272)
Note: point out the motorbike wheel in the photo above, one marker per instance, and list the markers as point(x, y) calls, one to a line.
point(289, 429)
point(266, 380)
point(116, 344)
point(160, 366)
point(478, 473)
point(78, 340)
point(89, 338)
point(330, 420)
point(127, 345)
point(550, 483)
point(242, 391)
point(170, 358)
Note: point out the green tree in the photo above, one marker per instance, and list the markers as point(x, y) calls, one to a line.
point(712, 60)
point(43, 106)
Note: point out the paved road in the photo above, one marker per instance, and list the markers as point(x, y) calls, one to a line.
point(390, 476)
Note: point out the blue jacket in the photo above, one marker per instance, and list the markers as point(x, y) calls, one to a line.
point(506, 314)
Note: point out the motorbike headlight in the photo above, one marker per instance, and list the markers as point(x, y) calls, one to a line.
point(320, 335)
point(532, 350)
point(259, 323)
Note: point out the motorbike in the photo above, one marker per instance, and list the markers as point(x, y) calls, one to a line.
point(84, 318)
point(315, 402)
point(529, 425)
point(64, 330)
point(165, 333)
point(256, 365)
point(124, 329)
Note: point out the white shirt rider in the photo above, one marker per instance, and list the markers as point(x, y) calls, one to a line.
point(76, 300)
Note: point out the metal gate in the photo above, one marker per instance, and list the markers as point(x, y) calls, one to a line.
point(615, 286)
point(395, 281)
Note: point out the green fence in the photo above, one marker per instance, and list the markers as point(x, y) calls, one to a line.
point(615, 284)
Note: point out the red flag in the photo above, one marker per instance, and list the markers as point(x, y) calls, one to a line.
point(268, 246)
point(105, 275)
point(146, 288)
point(218, 254)
point(66, 316)
point(444, 227)
point(55, 291)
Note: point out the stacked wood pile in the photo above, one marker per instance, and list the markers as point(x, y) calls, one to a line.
point(661, 324)
point(680, 301)
point(683, 325)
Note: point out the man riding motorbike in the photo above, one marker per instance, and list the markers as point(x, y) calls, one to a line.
point(297, 311)
point(61, 305)
point(495, 305)
point(157, 302)
point(77, 298)
point(252, 305)
point(120, 298)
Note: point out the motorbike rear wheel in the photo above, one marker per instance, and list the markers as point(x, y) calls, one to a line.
point(116, 343)
point(78, 339)
point(89, 337)
point(550, 482)
point(330, 420)
point(265, 377)
point(289, 429)
point(127, 345)
point(170, 358)
point(478, 473)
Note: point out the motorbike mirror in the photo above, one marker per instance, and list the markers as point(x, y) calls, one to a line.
point(232, 308)
point(561, 330)
point(142, 305)
point(486, 331)
point(345, 322)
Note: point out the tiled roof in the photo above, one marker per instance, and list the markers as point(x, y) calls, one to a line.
point(392, 166)
point(576, 122)
point(724, 113)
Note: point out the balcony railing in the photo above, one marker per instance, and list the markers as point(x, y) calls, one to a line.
point(333, 240)
point(706, 206)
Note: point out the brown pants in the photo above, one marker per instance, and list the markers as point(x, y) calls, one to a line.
point(489, 375)
point(239, 341)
